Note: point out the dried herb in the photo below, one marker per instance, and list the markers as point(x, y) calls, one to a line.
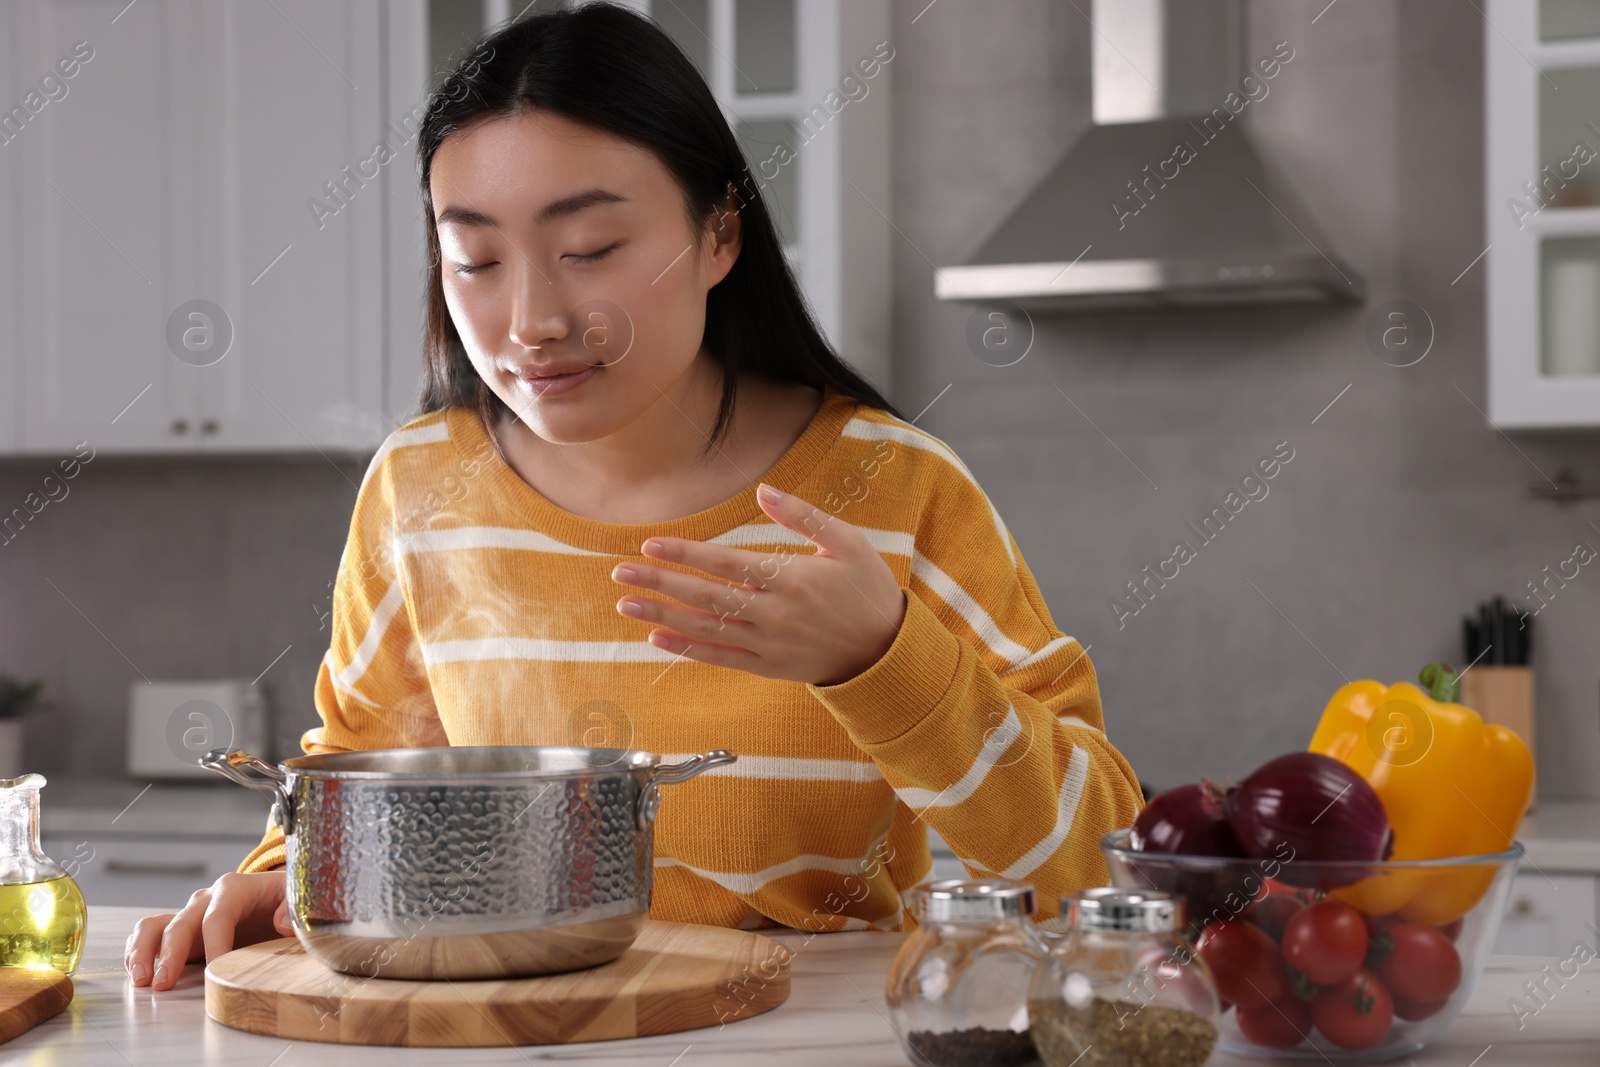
point(975, 1047)
point(1109, 1033)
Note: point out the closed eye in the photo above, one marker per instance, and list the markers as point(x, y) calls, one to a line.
point(590, 257)
point(583, 257)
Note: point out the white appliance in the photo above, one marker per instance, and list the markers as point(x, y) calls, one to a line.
point(171, 724)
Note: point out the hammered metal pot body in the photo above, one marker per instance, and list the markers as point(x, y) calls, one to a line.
point(469, 862)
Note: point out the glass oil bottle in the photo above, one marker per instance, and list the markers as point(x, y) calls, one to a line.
point(42, 914)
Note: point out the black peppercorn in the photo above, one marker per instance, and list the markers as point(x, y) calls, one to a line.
point(974, 1047)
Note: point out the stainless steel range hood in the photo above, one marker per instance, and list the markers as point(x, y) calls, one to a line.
point(1164, 201)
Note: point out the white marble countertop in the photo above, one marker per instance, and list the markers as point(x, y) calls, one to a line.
point(834, 1015)
point(129, 807)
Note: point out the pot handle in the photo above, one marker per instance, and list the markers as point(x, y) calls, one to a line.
point(667, 774)
point(254, 773)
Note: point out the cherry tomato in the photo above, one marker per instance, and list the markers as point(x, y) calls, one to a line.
point(1272, 913)
point(1356, 1013)
point(1422, 966)
point(1275, 888)
point(1281, 1024)
point(1245, 962)
point(1326, 941)
point(1413, 1010)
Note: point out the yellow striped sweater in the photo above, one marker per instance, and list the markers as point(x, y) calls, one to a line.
point(470, 610)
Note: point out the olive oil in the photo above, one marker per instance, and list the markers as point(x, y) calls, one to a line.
point(42, 915)
point(41, 925)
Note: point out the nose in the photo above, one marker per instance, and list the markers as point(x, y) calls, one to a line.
point(538, 317)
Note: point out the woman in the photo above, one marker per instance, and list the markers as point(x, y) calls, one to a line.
point(616, 354)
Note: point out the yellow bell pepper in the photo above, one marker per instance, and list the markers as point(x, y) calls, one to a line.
point(1451, 785)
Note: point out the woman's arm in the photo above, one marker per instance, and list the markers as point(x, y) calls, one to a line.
point(981, 714)
point(984, 717)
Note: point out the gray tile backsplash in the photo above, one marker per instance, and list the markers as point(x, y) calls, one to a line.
point(173, 569)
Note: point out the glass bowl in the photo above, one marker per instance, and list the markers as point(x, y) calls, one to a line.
point(1458, 900)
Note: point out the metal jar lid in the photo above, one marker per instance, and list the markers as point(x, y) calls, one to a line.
point(1132, 910)
point(972, 900)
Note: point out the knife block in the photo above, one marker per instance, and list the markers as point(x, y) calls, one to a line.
point(1503, 695)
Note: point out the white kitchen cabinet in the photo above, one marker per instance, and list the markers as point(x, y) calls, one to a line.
point(289, 106)
point(188, 157)
point(101, 213)
point(1542, 203)
point(154, 872)
point(187, 161)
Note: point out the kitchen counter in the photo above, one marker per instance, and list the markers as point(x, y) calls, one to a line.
point(137, 808)
point(1563, 836)
point(834, 1015)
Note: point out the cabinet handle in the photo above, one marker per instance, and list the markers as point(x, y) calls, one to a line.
point(1522, 906)
point(210, 426)
point(165, 870)
point(180, 425)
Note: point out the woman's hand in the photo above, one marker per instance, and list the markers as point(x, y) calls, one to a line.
point(821, 617)
point(235, 910)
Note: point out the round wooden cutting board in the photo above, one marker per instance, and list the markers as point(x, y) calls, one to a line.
point(676, 976)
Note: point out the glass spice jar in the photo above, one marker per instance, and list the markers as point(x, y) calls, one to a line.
point(1123, 988)
point(958, 986)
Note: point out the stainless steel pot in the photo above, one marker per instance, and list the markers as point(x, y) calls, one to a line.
point(466, 862)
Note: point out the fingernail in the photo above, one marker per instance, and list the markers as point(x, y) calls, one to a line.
point(627, 574)
point(629, 608)
point(654, 547)
point(138, 972)
point(160, 975)
point(770, 494)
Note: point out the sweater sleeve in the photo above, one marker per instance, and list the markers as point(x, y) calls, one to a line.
point(984, 717)
point(372, 689)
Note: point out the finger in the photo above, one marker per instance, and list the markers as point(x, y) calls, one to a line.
point(724, 629)
point(706, 594)
point(232, 899)
point(706, 652)
point(180, 941)
point(742, 565)
point(139, 956)
point(280, 919)
point(828, 532)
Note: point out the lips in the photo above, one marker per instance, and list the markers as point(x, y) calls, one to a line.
point(554, 370)
point(555, 382)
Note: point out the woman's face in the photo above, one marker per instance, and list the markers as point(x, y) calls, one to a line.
point(564, 246)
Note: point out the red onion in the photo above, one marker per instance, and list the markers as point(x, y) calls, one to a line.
point(1187, 820)
point(1307, 806)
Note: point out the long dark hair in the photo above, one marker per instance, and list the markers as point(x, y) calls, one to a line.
point(615, 70)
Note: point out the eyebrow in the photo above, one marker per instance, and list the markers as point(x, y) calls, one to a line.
point(567, 205)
